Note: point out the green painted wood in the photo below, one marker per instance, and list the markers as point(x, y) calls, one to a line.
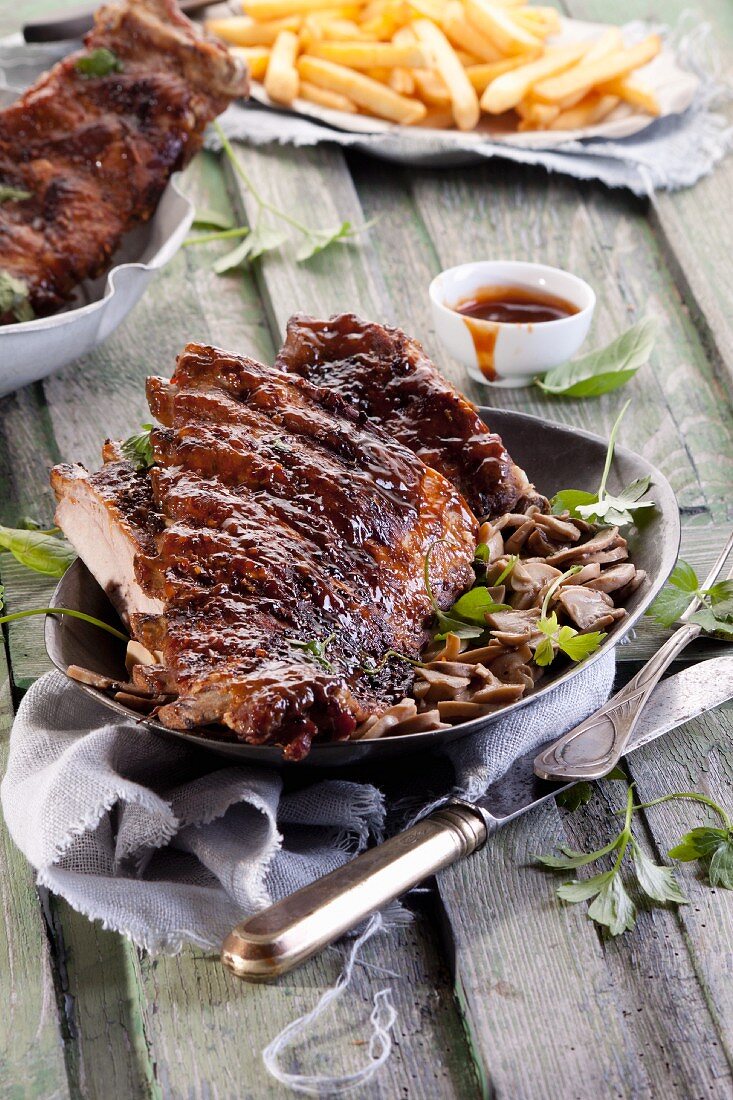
point(232, 1021)
point(31, 1047)
point(694, 227)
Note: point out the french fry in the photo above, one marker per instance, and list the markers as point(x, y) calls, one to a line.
point(339, 30)
point(281, 78)
point(464, 100)
point(610, 40)
point(428, 9)
point(462, 34)
point(438, 118)
point(594, 108)
point(279, 9)
point(539, 21)
point(482, 75)
point(587, 75)
point(497, 24)
point(366, 93)
point(402, 81)
point(431, 88)
point(510, 89)
point(240, 30)
point(370, 55)
point(257, 58)
point(537, 116)
point(325, 98)
point(631, 91)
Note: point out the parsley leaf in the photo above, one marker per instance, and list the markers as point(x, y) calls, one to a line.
point(262, 238)
point(606, 369)
point(682, 588)
point(566, 639)
point(611, 906)
point(610, 509)
point(319, 239)
point(576, 796)
point(13, 194)
point(482, 552)
point(99, 62)
point(712, 846)
point(138, 449)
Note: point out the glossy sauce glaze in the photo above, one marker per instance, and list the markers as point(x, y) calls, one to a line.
point(491, 306)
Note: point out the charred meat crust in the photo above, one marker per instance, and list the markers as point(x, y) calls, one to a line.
point(389, 378)
point(95, 153)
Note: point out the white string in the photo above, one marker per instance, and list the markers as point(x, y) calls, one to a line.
point(382, 1019)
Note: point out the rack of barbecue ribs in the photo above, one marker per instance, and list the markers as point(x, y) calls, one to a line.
point(273, 556)
point(387, 376)
point(85, 153)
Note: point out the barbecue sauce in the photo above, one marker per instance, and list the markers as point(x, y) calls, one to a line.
point(492, 306)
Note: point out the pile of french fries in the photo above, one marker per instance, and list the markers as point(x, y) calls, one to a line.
point(438, 63)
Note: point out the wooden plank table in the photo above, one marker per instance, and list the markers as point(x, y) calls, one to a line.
point(499, 990)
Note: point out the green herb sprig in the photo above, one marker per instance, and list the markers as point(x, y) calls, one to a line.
point(99, 62)
point(467, 616)
point(712, 847)
point(715, 616)
point(609, 509)
point(16, 615)
point(13, 194)
point(612, 906)
point(317, 648)
point(15, 297)
point(264, 236)
point(606, 369)
point(566, 639)
point(138, 448)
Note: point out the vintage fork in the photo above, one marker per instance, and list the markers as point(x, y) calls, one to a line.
point(594, 747)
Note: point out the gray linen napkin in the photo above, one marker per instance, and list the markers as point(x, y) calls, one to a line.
point(170, 844)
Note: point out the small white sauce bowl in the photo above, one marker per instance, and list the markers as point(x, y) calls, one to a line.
point(521, 351)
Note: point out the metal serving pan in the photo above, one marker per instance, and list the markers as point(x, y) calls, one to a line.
point(554, 456)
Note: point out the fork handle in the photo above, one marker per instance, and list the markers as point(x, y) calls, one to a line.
point(592, 749)
point(279, 938)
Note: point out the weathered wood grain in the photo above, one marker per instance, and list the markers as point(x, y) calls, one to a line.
point(31, 1047)
point(694, 226)
point(233, 1022)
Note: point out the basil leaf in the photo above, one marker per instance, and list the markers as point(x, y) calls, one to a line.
point(99, 62)
point(605, 370)
point(38, 551)
point(138, 449)
point(482, 552)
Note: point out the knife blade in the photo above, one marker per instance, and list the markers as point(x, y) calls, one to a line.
point(279, 938)
point(76, 24)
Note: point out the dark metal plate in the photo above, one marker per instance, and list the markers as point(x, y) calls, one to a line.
point(555, 457)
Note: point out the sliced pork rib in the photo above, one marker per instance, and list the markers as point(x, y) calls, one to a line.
point(388, 376)
point(109, 517)
point(90, 155)
point(290, 556)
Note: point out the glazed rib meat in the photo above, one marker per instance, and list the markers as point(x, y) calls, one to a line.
point(90, 155)
point(289, 559)
point(387, 376)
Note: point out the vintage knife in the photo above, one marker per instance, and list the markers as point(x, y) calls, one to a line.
point(285, 935)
